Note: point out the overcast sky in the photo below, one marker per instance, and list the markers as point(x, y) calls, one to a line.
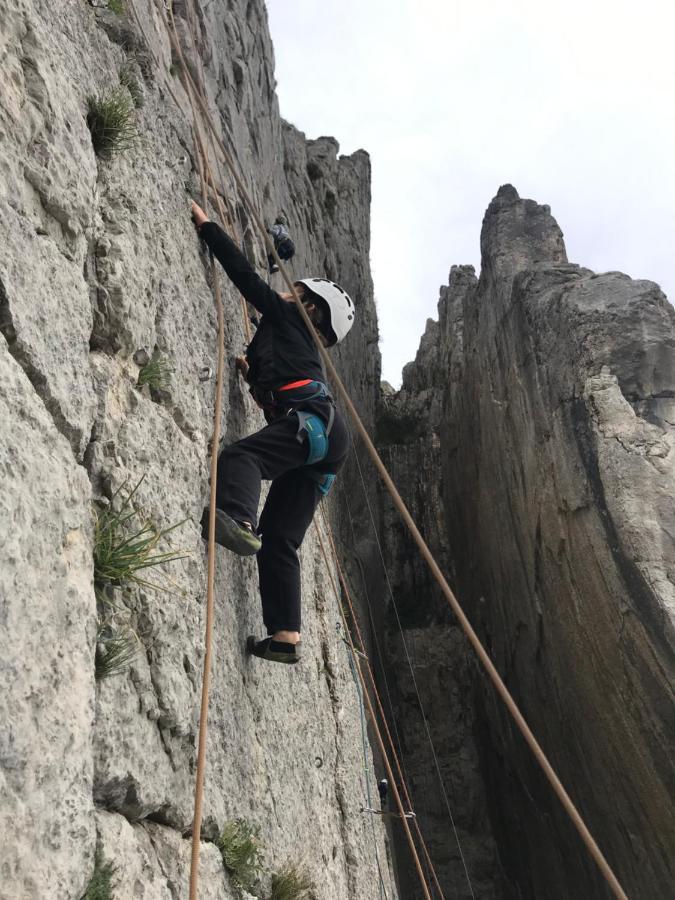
point(573, 103)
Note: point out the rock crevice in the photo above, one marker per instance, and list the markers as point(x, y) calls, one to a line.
point(541, 426)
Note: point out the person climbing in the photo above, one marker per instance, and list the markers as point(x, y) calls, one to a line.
point(282, 243)
point(301, 449)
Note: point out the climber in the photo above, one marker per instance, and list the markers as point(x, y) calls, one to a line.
point(300, 450)
point(282, 243)
point(383, 790)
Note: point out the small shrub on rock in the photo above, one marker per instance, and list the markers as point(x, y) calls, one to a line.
point(126, 542)
point(156, 374)
point(100, 885)
point(129, 80)
point(112, 123)
point(292, 883)
point(117, 645)
point(119, 7)
point(240, 849)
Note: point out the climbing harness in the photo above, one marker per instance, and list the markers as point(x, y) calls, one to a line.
point(194, 95)
point(287, 400)
point(317, 435)
point(310, 424)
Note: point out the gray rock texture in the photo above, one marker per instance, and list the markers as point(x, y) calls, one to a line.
point(47, 637)
point(537, 425)
point(532, 439)
point(100, 269)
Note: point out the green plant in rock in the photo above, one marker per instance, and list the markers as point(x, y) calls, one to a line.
point(117, 645)
point(100, 885)
point(157, 373)
point(112, 123)
point(242, 855)
point(129, 80)
point(119, 7)
point(292, 883)
point(126, 542)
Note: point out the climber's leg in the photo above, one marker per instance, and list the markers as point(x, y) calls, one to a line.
point(241, 467)
point(288, 512)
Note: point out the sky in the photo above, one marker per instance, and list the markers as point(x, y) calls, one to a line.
point(573, 103)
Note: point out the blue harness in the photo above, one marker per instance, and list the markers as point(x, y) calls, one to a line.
point(316, 429)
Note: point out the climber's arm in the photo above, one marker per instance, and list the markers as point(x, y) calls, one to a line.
point(237, 267)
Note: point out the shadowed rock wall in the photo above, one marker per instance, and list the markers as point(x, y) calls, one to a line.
point(545, 394)
point(532, 439)
point(98, 260)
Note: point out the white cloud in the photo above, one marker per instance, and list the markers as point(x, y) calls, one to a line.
point(572, 103)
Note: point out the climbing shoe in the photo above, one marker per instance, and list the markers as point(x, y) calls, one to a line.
point(236, 536)
point(275, 651)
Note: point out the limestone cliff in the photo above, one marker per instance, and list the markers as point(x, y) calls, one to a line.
point(532, 439)
point(100, 269)
point(534, 434)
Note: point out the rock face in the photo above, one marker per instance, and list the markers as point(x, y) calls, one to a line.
point(536, 431)
point(99, 270)
point(533, 439)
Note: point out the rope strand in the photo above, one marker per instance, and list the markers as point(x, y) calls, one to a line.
point(452, 601)
point(383, 752)
point(414, 679)
point(373, 683)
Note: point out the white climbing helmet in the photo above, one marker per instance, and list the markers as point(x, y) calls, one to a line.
point(339, 303)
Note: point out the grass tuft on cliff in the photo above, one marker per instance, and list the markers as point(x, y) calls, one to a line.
point(126, 542)
point(292, 883)
point(239, 846)
point(100, 885)
point(129, 80)
point(117, 645)
point(112, 123)
point(156, 374)
point(119, 7)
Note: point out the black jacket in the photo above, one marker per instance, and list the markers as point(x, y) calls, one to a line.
point(282, 349)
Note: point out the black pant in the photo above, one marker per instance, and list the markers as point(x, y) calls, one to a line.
point(275, 453)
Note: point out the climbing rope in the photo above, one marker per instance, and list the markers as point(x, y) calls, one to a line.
point(452, 601)
point(378, 735)
point(201, 149)
point(371, 675)
point(207, 181)
point(364, 750)
point(380, 656)
point(412, 671)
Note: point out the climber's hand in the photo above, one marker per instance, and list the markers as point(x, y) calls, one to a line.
point(241, 365)
point(198, 215)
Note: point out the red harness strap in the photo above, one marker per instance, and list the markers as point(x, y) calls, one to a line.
point(295, 384)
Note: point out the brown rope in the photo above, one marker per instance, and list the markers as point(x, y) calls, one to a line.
point(206, 680)
point(487, 663)
point(193, 91)
point(206, 179)
point(371, 678)
point(475, 642)
point(376, 729)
